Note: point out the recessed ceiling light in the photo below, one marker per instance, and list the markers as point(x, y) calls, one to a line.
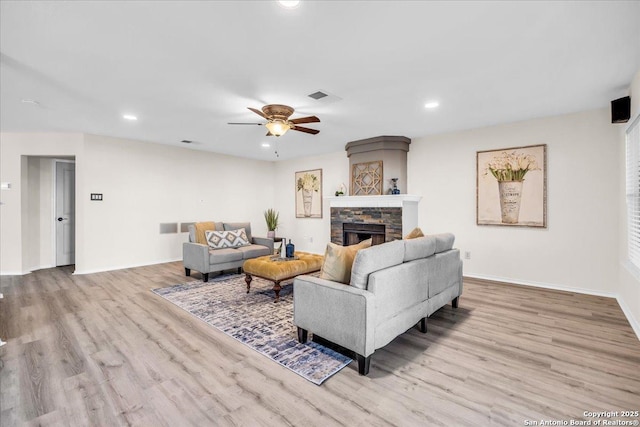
point(266, 145)
point(289, 4)
point(129, 117)
point(432, 104)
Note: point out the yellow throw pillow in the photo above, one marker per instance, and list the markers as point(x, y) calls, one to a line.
point(416, 232)
point(338, 261)
point(201, 227)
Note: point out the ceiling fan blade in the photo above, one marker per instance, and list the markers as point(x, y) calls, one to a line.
point(305, 130)
point(233, 123)
point(258, 112)
point(310, 119)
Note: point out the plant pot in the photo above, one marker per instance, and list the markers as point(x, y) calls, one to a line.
point(307, 195)
point(510, 196)
point(271, 234)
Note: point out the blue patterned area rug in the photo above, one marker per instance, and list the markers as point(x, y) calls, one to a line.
point(254, 320)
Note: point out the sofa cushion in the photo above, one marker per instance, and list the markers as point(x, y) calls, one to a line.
point(238, 225)
point(375, 258)
point(253, 251)
point(444, 241)
point(338, 261)
point(219, 256)
point(226, 239)
point(419, 247)
point(416, 232)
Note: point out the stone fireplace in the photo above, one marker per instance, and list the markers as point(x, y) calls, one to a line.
point(383, 218)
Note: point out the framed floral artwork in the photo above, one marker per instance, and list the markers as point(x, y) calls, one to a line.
point(309, 194)
point(511, 186)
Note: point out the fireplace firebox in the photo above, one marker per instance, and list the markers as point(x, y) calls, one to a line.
point(353, 233)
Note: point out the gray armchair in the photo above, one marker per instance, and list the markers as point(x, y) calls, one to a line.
point(202, 258)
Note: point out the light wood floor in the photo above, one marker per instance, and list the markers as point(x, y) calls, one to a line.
point(101, 349)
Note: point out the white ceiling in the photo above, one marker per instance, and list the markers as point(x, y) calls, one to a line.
point(187, 68)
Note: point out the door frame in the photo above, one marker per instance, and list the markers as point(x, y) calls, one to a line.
point(54, 233)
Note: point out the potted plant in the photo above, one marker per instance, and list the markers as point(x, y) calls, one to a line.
point(271, 218)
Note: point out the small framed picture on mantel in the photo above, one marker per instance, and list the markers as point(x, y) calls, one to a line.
point(309, 193)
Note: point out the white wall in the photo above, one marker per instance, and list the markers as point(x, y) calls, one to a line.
point(308, 234)
point(14, 220)
point(629, 276)
point(144, 184)
point(579, 248)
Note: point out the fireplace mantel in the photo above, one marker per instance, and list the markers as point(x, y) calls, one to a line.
point(398, 212)
point(385, 201)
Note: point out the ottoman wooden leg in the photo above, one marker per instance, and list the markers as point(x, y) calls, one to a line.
point(276, 288)
point(248, 278)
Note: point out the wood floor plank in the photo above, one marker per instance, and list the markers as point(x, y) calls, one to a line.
point(101, 349)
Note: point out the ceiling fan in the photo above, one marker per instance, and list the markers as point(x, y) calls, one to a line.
point(278, 122)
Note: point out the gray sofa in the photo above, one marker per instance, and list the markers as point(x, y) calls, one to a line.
point(202, 258)
point(393, 287)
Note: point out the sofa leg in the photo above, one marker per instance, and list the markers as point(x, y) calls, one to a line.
point(239, 270)
point(423, 325)
point(302, 335)
point(187, 271)
point(454, 302)
point(363, 364)
point(205, 277)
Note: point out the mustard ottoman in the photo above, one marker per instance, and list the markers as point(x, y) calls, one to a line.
point(278, 269)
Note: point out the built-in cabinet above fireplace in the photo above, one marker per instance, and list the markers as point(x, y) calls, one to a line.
point(364, 216)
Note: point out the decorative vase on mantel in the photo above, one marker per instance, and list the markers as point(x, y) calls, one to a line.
point(510, 196)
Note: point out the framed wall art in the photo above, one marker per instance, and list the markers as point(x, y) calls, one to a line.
point(366, 178)
point(309, 194)
point(511, 186)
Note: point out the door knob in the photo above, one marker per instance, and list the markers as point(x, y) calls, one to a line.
point(60, 219)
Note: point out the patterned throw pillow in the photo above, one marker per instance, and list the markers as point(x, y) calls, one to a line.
point(226, 239)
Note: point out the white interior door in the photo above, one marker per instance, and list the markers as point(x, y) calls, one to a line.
point(65, 213)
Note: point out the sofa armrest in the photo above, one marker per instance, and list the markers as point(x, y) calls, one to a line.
point(195, 256)
point(340, 313)
point(264, 241)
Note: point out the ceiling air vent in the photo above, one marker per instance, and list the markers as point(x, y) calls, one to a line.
point(318, 95)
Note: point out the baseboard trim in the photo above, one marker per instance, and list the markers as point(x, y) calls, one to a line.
point(623, 306)
point(14, 273)
point(544, 285)
point(123, 267)
point(632, 320)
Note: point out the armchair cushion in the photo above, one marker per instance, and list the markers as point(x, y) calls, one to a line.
point(226, 239)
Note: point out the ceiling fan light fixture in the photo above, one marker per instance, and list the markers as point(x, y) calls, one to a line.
point(278, 127)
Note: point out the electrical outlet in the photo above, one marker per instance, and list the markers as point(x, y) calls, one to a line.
point(467, 255)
